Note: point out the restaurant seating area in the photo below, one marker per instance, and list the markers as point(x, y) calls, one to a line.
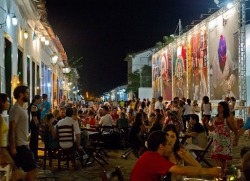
point(92, 173)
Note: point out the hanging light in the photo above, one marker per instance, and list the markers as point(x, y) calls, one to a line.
point(25, 35)
point(46, 42)
point(53, 58)
point(66, 70)
point(43, 39)
point(14, 20)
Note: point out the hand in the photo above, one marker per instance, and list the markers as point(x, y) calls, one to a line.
point(13, 151)
point(183, 152)
point(215, 171)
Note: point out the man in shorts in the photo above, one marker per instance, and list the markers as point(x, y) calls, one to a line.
point(18, 134)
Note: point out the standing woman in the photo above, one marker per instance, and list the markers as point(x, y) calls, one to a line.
point(221, 146)
point(187, 112)
point(206, 109)
point(35, 113)
point(4, 128)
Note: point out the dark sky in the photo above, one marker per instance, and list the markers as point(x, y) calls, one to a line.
point(104, 31)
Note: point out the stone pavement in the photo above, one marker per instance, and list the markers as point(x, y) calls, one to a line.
point(92, 173)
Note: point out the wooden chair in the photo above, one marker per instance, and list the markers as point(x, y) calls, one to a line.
point(43, 136)
point(108, 176)
point(6, 169)
point(65, 134)
point(201, 153)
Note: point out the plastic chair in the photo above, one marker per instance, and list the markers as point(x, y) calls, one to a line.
point(108, 176)
point(7, 169)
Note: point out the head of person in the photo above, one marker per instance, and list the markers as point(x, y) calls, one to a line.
point(138, 118)
point(175, 103)
point(36, 100)
point(194, 102)
point(173, 115)
point(157, 111)
point(227, 99)
point(151, 118)
point(183, 99)
point(160, 98)
point(205, 99)
point(80, 113)
point(130, 114)
point(4, 102)
point(159, 119)
point(158, 142)
point(114, 110)
point(232, 99)
point(56, 113)
point(45, 96)
point(122, 115)
point(173, 136)
point(194, 118)
point(69, 112)
point(105, 110)
point(49, 118)
point(223, 108)
point(246, 165)
point(189, 101)
point(22, 93)
point(124, 110)
point(62, 112)
point(75, 111)
point(91, 113)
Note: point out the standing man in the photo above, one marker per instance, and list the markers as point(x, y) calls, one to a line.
point(159, 105)
point(46, 107)
point(18, 134)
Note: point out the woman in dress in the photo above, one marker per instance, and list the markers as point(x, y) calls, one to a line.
point(35, 113)
point(5, 157)
point(179, 154)
point(221, 146)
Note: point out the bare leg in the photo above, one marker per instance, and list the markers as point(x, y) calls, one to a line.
point(31, 175)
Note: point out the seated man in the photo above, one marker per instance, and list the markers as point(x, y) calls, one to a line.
point(197, 132)
point(69, 121)
point(153, 163)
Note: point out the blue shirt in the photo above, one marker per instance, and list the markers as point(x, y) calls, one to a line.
point(247, 124)
point(46, 108)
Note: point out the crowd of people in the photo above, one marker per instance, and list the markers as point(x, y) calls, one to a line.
point(154, 127)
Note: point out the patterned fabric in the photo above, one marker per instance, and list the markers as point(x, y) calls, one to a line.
point(222, 148)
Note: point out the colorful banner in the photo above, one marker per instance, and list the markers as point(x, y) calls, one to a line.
point(197, 63)
point(179, 71)
point(166, 74)
point(223, 55)
point(156, 75)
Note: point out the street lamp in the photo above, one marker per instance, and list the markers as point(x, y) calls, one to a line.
point(53, 58)
point(14, 19)
point(25, 35)
point(66, 70)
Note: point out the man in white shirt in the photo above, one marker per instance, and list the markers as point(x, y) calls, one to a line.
point(69, 121)
point(106, 119)
point(159, 104)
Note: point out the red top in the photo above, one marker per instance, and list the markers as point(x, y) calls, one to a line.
point(149, 167)
point(91, 121)
point(114, 116)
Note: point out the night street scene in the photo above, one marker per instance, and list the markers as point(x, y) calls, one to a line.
point(125, 90)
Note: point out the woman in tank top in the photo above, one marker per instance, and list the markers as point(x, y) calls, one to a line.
point(206, 109)
point(4, 129)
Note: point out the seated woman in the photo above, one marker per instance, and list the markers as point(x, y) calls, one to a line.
point(122, 121)
point(136, 133)
point(48, 121)
point(90, 119)
point(197, 132)
point(180, 154)
point(158, 123)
